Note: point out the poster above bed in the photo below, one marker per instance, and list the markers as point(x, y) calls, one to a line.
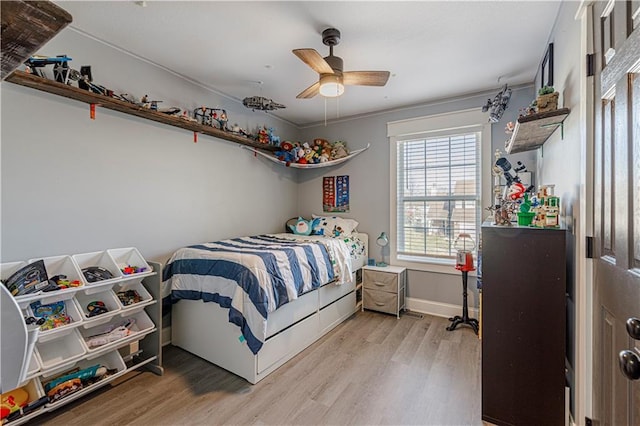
point(335, 194)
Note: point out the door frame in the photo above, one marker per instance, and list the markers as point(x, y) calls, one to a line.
point(583, 382)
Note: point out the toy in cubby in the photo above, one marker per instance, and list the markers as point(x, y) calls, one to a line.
point(129, 261)
point(22, 401)
point(132, 295)
point(118, 330)
point(97, 307)
point(50, 315)
point(129, 269)
point(43, 275)
point(81, 375)
point(98, 268)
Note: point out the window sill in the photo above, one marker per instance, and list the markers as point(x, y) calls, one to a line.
point(431, 265)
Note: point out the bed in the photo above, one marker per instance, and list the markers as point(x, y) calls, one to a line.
point(250, 304)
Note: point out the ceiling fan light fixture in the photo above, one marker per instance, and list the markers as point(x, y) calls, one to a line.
point(331, 86)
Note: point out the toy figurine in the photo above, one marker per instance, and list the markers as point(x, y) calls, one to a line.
point(214, 117)
point(261, 103)
point(60, 66)
point(273, 139)
point(497, 106)
point(263, 136)
point(505, 203)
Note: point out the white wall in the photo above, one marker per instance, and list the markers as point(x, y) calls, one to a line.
point(370, 179)
point(74, 185)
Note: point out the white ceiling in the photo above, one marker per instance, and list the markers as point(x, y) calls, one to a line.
point(433, 49)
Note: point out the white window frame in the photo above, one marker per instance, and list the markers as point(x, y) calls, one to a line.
point(471, 120)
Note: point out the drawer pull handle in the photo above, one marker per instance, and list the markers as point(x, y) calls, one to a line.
point(379, 304)
point(378, 283)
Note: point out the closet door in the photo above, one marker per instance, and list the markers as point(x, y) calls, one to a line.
point(616, 299)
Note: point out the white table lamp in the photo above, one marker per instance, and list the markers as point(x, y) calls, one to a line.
point(382, 241)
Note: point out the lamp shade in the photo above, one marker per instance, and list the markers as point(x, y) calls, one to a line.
point(382, 240)
point(331, 85)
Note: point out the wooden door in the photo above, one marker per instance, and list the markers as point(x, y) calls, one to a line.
point(616, 398)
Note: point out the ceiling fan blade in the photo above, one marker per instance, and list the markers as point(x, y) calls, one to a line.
point(366, 78)
point(310, 91)
point(314, 60)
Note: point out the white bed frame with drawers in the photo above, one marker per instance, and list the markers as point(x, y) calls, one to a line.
point(204, 328)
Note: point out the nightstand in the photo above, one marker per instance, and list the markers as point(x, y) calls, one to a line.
point(384, 289)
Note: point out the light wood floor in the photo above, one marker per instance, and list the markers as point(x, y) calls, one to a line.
point(371, 370)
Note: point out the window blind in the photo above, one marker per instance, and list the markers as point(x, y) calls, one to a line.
point(438, 193)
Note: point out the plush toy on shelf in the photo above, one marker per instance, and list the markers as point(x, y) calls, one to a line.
point(286, 153)
point(339, 150)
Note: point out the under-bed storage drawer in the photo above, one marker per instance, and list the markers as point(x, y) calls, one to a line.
point(381, 301)
point(291, 340)
point(291, 313)
point(332, 292)
point(335, 313)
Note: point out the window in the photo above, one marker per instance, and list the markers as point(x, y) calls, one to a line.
point(436, 187)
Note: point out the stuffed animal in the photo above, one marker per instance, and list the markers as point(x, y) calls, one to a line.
point(304, 227)
point(298, 153)
point(273, 139)
point(317, 148)
point(310, 154)
point(286, 153)
point(339, 150)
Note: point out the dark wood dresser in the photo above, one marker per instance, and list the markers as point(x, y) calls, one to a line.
point(523, 325)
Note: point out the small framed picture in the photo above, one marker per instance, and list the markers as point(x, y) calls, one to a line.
point(546, 68)
point(371, 262)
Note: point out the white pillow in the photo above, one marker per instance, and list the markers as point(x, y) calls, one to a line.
point(334, 226)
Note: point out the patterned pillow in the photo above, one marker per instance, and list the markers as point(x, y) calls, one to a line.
point(334, 226)
point(356, 246)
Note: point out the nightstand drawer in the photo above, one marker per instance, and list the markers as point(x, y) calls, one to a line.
point(383, 281)
point(380, 301)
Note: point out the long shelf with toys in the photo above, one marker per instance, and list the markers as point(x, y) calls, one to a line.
point(50, 86)
point(95, 317)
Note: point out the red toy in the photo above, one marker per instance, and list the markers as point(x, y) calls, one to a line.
point(464, 258)
point(13, 401)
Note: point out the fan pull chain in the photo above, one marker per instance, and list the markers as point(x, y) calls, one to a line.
point(325, 112)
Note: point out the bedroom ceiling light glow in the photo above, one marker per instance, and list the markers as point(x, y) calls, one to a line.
point(331, 85)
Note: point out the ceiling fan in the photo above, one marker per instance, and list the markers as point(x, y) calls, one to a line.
point(332, 78)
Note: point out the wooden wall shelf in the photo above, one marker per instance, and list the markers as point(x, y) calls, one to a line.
point(532, 131)
point(26, 27)
point(29, 80)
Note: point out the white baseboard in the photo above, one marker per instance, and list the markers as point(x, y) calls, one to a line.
point(437, 309)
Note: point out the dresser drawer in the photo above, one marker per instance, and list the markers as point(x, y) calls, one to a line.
point(381, 281)
point(380, 301)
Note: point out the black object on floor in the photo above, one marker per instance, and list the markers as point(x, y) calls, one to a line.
point(464, 319)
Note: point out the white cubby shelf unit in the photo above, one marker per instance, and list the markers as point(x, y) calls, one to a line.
point(74, 345)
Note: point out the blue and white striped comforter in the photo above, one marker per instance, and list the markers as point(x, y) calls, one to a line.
point(254, 276)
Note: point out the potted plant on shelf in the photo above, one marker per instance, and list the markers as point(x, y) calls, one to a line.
point(547, 99)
